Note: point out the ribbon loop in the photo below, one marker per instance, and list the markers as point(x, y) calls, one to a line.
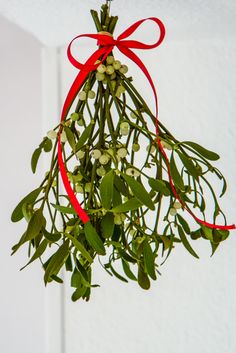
point(139, 45)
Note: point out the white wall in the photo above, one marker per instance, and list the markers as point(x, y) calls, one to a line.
point(22, 293)
point(192, 307)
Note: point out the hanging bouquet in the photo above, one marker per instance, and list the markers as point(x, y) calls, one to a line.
point(129, 184)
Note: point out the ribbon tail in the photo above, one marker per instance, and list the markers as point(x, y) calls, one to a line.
point(130, 54)
point(79, 210)
point(78, 82)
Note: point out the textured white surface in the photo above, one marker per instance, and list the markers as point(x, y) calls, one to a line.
point(55, 22)
point(22, 318)
point(192, 308)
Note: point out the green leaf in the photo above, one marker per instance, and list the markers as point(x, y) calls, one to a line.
point(36, 223)
point(35, 158)
point(184, 224)
point(223, 233)
point(126, 256)
point(75, 279)
point(143, 279)
point(107, 225)
point(51, 237)
point(187, 162)
point(207, 232)
point(175, 174)
point(130, 205)
point(70, 137)
point(186, 242)
point(212, 156)
point(27, 211)
point(17, 214)
point(84, 136)
point(120, 185)
point(115, 273)
point(214, 247)
point(79, 293)
point(127, 270)
point(68, 264)
point(57, 261)
point(139, 191)
point(106, 189)
point(116, 197)
point(166, 241)
point(64, 209)
point(39, 251)
point(47, 144)
point(80, 248)
point(93, 238)
point(56, 279)
point(159, 186)
point(84, 273)
point(149, 260)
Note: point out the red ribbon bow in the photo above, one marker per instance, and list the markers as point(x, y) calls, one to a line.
point(107, 44)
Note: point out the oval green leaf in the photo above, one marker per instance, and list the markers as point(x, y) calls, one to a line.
point(186, 243)
point(93, 238)
point(130, 205)
point(47, 145)
point(143, 279)
point(127, 270)
point(57, 261)
point(51, 237)
point(35, 158)
point(39, 252)
point(107, 225)
point(120, 185)
point(64, 209)
point(187, 162)
point(17, 214)
point(175, 174)
point(36, 223)
point(183, 223)
point(149, 260)
point(84, 136)
point(159, 186)
point(115, 273)
point(139, 191)
point(80, 247)
point(70, 137)
point(106, 189)
point(212, 156)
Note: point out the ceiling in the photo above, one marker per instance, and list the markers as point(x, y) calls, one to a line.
point(55, 22)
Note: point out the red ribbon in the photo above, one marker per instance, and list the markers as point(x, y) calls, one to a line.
point(107, 44)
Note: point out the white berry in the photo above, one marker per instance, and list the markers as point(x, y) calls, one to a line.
point(100, 76)
point(117, 65)
point(52, 135)
point(82, 95)
point(124, 69)
point(132, 172)
point(104, 159)
point(173, 211)
point(110, 70)
point(110, 59)
point(122, 152)
point(101, 69)
point(80, 154)
point(91, 94)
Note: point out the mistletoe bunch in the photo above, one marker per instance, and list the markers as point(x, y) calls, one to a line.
point(120, 178)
